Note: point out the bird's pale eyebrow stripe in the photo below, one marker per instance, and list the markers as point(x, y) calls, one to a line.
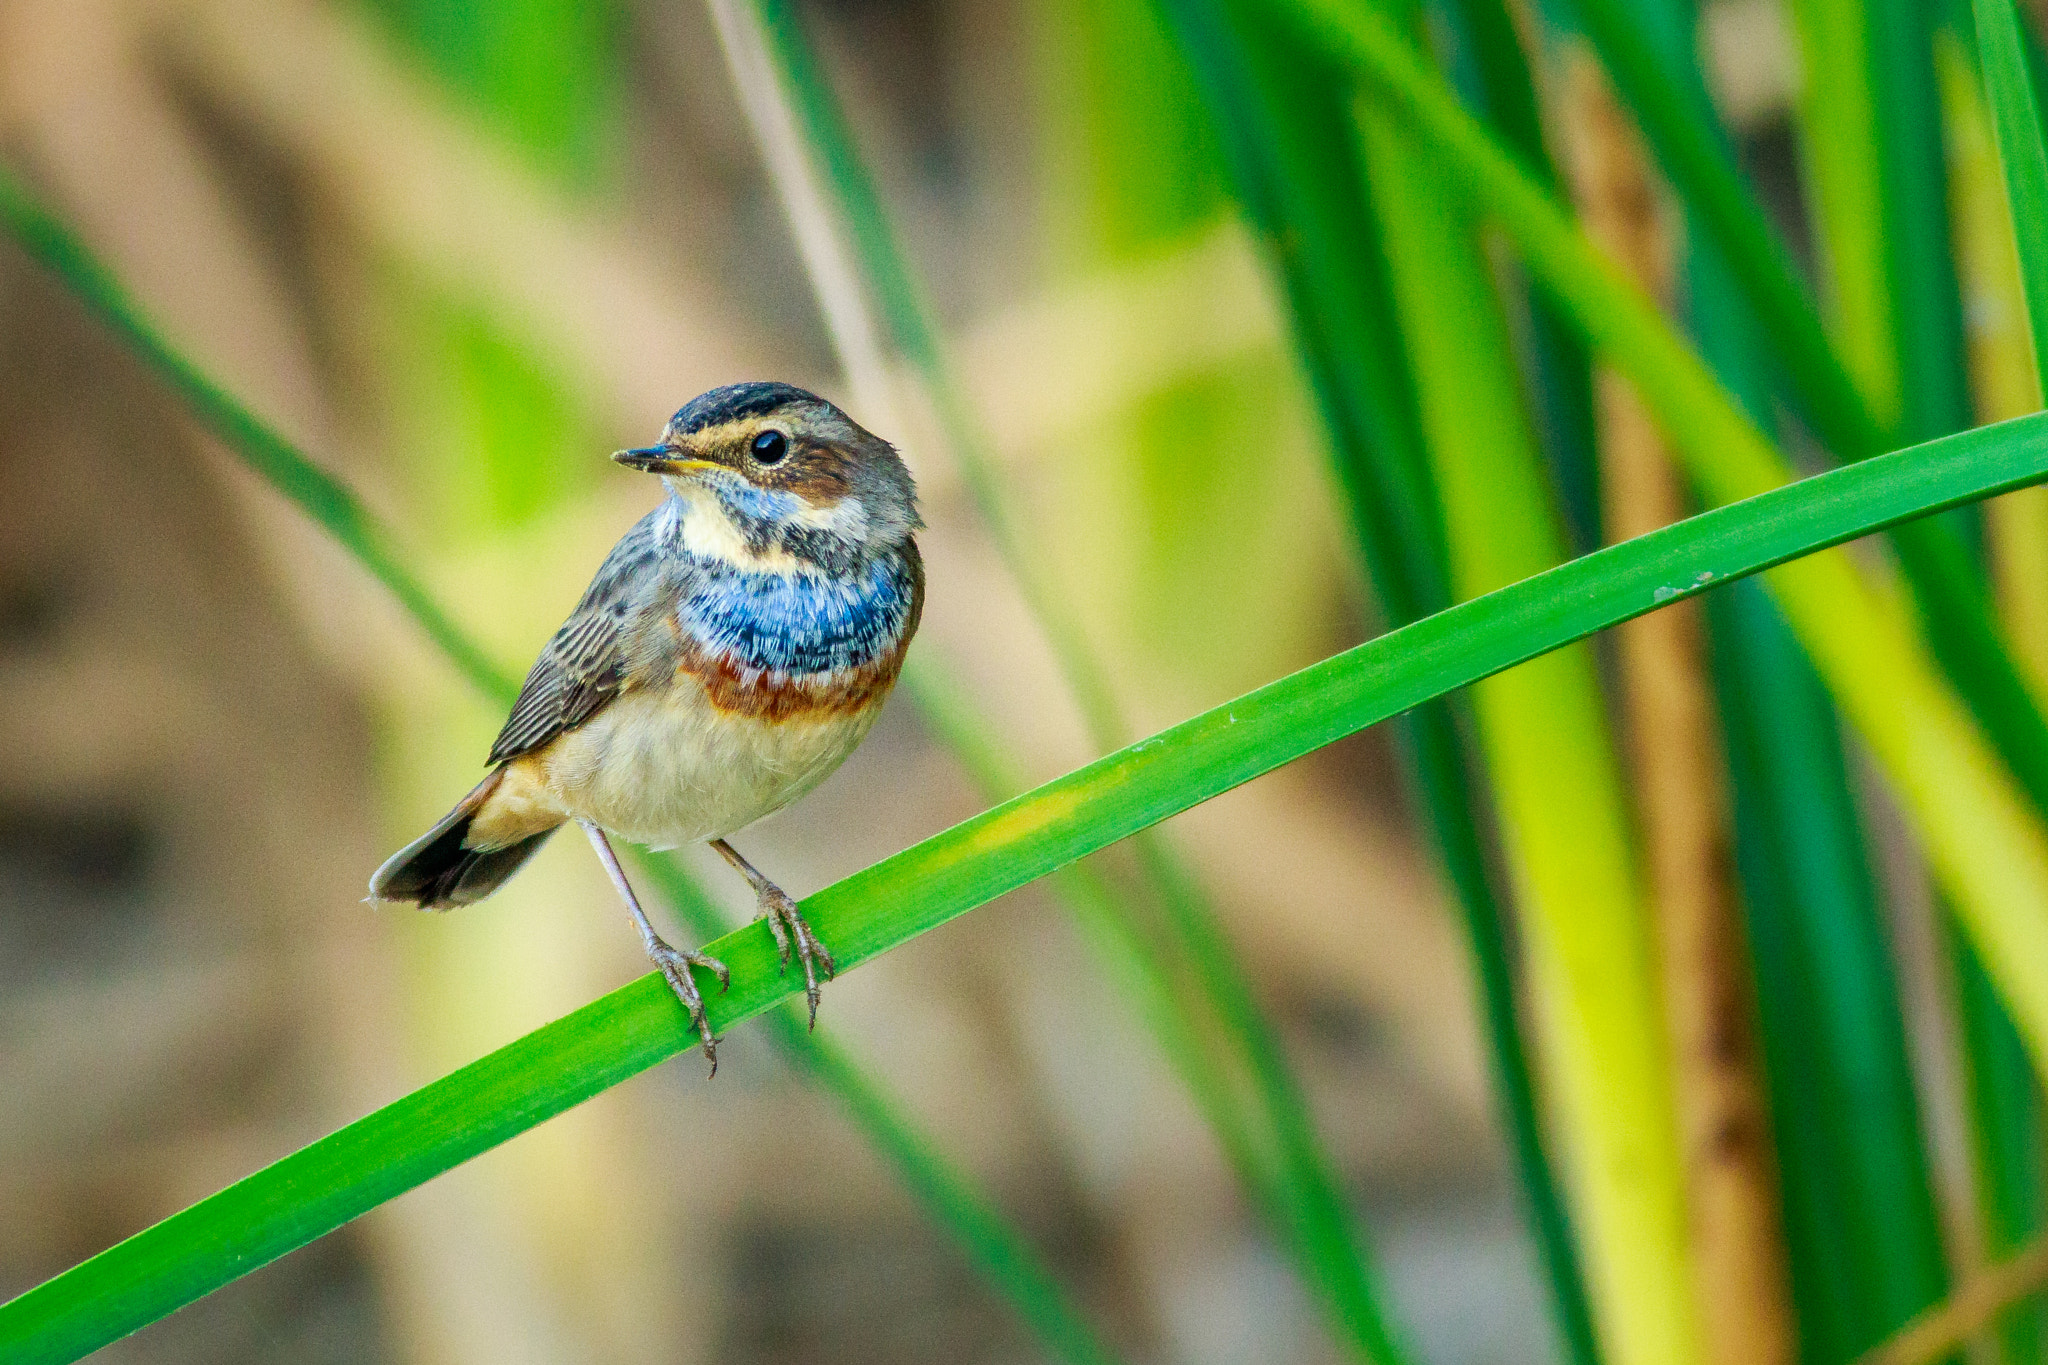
point(724, 433)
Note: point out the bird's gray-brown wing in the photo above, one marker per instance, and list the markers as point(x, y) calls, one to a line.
point(593, 657)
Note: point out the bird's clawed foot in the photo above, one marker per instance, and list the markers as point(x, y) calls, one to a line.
point(674, 964)
point(791, 931)
point(786, 922)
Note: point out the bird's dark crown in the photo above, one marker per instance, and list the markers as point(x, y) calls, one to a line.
point(733, 402)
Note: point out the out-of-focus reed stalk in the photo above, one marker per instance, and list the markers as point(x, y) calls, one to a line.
point(1737, 1236)
point(1948, 1326)
point(2002, 377)
point(1557, 786)
point(2003, 1094)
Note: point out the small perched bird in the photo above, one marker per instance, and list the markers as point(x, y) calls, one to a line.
point(734, 648)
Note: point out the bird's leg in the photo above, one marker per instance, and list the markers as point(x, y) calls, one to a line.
point(785, 923)
point(675, 963)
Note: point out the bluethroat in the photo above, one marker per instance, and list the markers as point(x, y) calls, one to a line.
point(734, 648)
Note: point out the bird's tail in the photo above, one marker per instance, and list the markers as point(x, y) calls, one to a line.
point(439, 871)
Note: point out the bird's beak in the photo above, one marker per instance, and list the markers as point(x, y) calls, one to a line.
point(661, 460)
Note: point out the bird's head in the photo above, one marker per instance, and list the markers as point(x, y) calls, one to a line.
point(787, 470)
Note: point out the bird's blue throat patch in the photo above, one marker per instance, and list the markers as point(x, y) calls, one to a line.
point(759, 513)
point(797, 624)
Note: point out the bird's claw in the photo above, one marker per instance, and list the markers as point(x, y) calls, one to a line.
point(675, 964)
point(792, 932)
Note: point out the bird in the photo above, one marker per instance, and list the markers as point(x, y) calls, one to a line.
point(734, 648)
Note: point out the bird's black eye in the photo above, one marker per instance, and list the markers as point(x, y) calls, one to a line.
point(770, 447)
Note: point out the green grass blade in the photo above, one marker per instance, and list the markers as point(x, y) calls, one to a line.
point(1833, 1042)
point(329, 1182)
point(1983, 842)
point(1950, 593)
point(2006, 1103)
point(1901, 120)
point(1863, 1220)
point(1860, 1217)
point(1293, 159)
point(1920, 267)
point(1845, 192)
point(998, 1250)
point(2016, 124)
point(1137, 972)
point(1003, 1258)
point(1703, 171)
point(2005, 1109)
point(1556, 781)
point(1492, 74)
point(330, 503)
point(1286, 139)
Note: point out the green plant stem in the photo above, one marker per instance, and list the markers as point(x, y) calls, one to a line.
point(329, 1182)
point(1557, 788)
point(995, 1248)
point(1291, 146)
point(1137, 972)
point(1702, 169)
point(2005, 1111)
point(1919, 259)
point(2005, 1103)
point(1501, 89)
point(1917, 256)
point(2016, 125)
point(1861, 1225)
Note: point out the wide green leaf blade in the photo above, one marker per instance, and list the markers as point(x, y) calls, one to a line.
point(2005, 1106)
point(324, 1185)
point(1567, 832)
point(1291, 149)
point(1703, 170)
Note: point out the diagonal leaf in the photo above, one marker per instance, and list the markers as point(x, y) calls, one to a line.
point(320, 1187)
point(1703, 170)
point(1950, 594)
point(2005, 1106)
point(1986, 845)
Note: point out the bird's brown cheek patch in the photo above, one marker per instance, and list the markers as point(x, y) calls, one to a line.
point(819, 478)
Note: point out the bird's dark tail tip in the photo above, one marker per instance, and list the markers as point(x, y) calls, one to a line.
point(437, 872)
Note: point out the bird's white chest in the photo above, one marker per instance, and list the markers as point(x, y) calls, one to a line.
point(668, 768)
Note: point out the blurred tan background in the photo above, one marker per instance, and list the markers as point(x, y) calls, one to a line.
point(461, 276)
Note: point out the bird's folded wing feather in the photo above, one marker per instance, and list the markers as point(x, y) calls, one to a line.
point(589, 660)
